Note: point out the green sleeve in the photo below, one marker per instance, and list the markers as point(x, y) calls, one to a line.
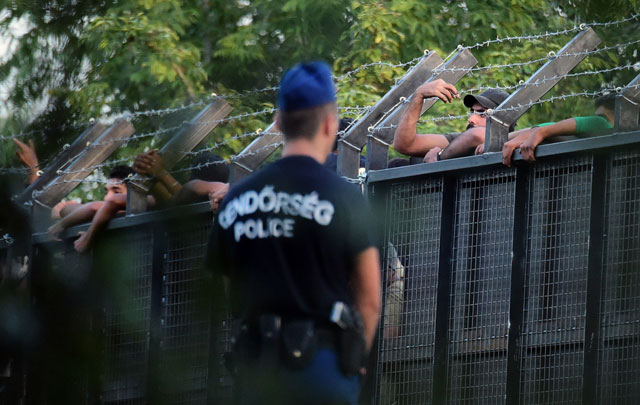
point(591, 124)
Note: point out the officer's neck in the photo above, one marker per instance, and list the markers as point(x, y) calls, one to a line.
point(304, 147)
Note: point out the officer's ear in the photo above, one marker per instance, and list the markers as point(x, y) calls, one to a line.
point(276, 121)
point(331, 123)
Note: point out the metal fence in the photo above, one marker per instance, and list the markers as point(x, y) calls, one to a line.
point(519, 285)
point(501, 285)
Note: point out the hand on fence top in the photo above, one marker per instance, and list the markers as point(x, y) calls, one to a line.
point(438, 88)
point(216, 196)
point(432, 155)
point(55, 230)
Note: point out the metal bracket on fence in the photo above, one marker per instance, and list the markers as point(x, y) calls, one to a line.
point(507, 113)
point(378, 152)
point(95, 154)
point(136, 198)
point(65, 157)
point(255, 153)
point(177, 148)
point(627, 110)
point(349, 158)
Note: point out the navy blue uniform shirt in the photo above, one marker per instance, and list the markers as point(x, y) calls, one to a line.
point(287, 237)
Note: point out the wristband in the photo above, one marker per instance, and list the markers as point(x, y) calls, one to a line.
point(438, 157)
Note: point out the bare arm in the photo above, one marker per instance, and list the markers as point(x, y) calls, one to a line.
point(539, 134)
point(464, 144)
point(80, 215)
point(150, 164)
point(100, 219)
point(27, 155)
point(197, 188)
point(367, 291)
point(406, 140)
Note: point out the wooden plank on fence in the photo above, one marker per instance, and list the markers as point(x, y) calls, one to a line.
point(177, 148)
point(378, 141)
point(83, 166)
point(196, 130)
point(628, 106)
point(255, 153)
point(520, 101)
point(63, 158)
point(351, 144)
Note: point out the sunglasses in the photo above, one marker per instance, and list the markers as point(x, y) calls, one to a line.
point(481, 113)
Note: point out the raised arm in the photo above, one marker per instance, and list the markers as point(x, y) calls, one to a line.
point(367, 290)
point(406, 140)
point(27, 155)
point(199, 188)
point(150, 164)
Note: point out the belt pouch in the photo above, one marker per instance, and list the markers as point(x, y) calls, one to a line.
point(299, 343)
point(352, 350)
point(269, 334)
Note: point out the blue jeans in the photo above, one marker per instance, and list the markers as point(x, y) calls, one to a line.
point(322, 382)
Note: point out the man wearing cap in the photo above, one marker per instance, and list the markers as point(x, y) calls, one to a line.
point(296, 243)
point(434, 147)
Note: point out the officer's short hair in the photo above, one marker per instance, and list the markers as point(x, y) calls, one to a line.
point(303, 124)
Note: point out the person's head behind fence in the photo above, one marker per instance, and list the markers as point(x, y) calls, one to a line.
point(115, 179)
point(305, 99)
point(488, 99)
point(120, 172)
point(210, 167)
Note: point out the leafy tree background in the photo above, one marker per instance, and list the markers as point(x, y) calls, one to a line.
point(86, 59)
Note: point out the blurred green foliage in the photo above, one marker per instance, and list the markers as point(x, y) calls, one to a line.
point(86, 59)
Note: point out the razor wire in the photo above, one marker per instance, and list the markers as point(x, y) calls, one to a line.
point(351, 73)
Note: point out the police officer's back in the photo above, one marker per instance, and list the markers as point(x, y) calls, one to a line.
point(296, 243)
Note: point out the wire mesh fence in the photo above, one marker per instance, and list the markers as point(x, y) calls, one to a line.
point(498, 288)
point(574, 329)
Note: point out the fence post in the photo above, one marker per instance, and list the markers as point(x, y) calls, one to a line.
point(66, 156)
point(378, 141)
point(594, 279)
point(507, 113)
point(628, 106)
point(255, 153)
point(95, 154)
point(516, 298)
point(177, 148)
point(443, 294)
point(351, 144)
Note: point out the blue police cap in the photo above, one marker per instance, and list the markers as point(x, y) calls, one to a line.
point(306, 85)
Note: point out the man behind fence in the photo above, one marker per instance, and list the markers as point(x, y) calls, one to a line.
point(435, 147)
point(296, 242)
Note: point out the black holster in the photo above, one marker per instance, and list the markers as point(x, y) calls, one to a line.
point(351, 350)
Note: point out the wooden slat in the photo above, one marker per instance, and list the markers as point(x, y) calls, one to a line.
point(255, 153)
point(351, 144)
point(177, 148)
point(94, 155)
point(67, 155)
point(628, 106)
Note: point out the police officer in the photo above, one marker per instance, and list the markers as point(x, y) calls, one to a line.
point(295, 241)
